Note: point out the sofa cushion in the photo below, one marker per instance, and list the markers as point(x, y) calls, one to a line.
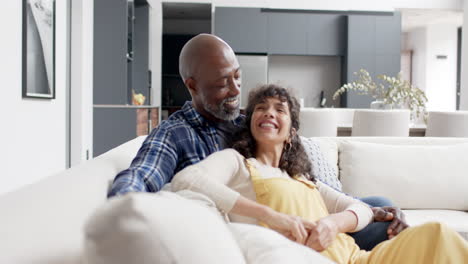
point(265, 246)
point(413, 177)
point(457, 220)
point(159, 228)
point(323, 156)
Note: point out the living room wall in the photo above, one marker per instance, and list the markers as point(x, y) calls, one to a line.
point(33, 134)
point(436, 76)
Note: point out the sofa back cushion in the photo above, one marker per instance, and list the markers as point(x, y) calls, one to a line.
point(413, 177)
point(159, 228)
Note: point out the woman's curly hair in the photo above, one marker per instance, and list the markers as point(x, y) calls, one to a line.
point(293, 160)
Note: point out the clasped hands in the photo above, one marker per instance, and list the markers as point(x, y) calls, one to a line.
point(318, 235)
point(322, 233)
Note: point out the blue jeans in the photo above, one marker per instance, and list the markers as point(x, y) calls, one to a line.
point(375, 232)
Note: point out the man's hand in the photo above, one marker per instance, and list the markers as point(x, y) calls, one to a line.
point(322, 234)
point(390, 213)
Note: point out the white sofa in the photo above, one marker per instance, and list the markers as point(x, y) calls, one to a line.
point(44, 222)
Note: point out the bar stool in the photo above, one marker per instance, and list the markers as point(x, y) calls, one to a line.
point(318, 122)
point(381, 123)
point(447, 124)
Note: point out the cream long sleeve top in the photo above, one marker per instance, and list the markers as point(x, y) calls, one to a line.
point(223, 177)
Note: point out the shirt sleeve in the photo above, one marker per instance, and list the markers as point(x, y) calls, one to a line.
point(338, 202)
point(152, 167)
point(212, 177)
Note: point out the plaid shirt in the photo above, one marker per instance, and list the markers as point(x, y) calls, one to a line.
point(184, 139)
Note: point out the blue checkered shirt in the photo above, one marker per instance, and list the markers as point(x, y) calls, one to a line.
point(182, 140)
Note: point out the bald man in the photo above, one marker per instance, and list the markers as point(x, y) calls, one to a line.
point(211, 73)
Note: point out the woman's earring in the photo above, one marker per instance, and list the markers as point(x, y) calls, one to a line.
point(288, 146)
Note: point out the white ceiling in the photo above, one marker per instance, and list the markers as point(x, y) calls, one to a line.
point(417, 18)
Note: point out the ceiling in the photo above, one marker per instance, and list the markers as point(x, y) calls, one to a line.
point(186, 11)
point(417, 18)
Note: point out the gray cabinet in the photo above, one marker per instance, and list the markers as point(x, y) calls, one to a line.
point(245, 29)
point(110, 50)
point(326, 35)
point(287, 33)
point(255, 30)
point(120, 65)
point(373, 45)
point(140, 63)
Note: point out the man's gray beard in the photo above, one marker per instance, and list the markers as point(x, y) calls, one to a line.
point(221, 112)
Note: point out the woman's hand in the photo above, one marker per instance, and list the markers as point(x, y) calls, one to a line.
point(293, 227)
point(322, 234)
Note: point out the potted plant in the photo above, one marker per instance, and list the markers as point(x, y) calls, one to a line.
point(391, 92)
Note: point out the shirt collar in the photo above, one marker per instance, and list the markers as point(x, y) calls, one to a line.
point(196, 119)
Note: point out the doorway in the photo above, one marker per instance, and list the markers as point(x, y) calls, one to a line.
point(181, 22)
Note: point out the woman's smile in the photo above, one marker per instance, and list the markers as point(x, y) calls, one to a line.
point(271, 121)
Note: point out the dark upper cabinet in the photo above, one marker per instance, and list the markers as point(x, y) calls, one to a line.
point(255, 30)
point(326, 35)
point(287, 33)
point(245, 29)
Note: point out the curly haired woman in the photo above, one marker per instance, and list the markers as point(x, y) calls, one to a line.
point(265, 179)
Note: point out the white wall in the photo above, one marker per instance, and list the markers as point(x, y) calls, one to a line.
point(416, 41)
point(33, 134)
point(464, 62)
point(441, 74)
point(307, 76)
point(437, 77)
point(81, 123)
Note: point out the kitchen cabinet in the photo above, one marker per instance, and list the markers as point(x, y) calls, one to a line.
point(110, 50)
point(245, 29)
point(120, 65)
point(287, 33)
point(374, 45)
point(326, 35)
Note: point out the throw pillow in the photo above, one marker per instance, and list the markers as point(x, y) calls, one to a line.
point(158, 228)
point(322, 169)
point(412, 176)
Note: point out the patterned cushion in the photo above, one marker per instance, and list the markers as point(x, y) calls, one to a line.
point(322, 170)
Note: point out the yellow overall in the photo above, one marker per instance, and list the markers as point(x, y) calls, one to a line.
point(429, 243)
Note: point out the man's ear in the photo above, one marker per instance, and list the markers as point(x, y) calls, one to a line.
point(190, 83)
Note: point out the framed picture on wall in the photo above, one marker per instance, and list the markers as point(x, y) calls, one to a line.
point(38, 49)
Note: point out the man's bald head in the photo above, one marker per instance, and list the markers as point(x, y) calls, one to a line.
point(196, 52)
point(211, 73)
